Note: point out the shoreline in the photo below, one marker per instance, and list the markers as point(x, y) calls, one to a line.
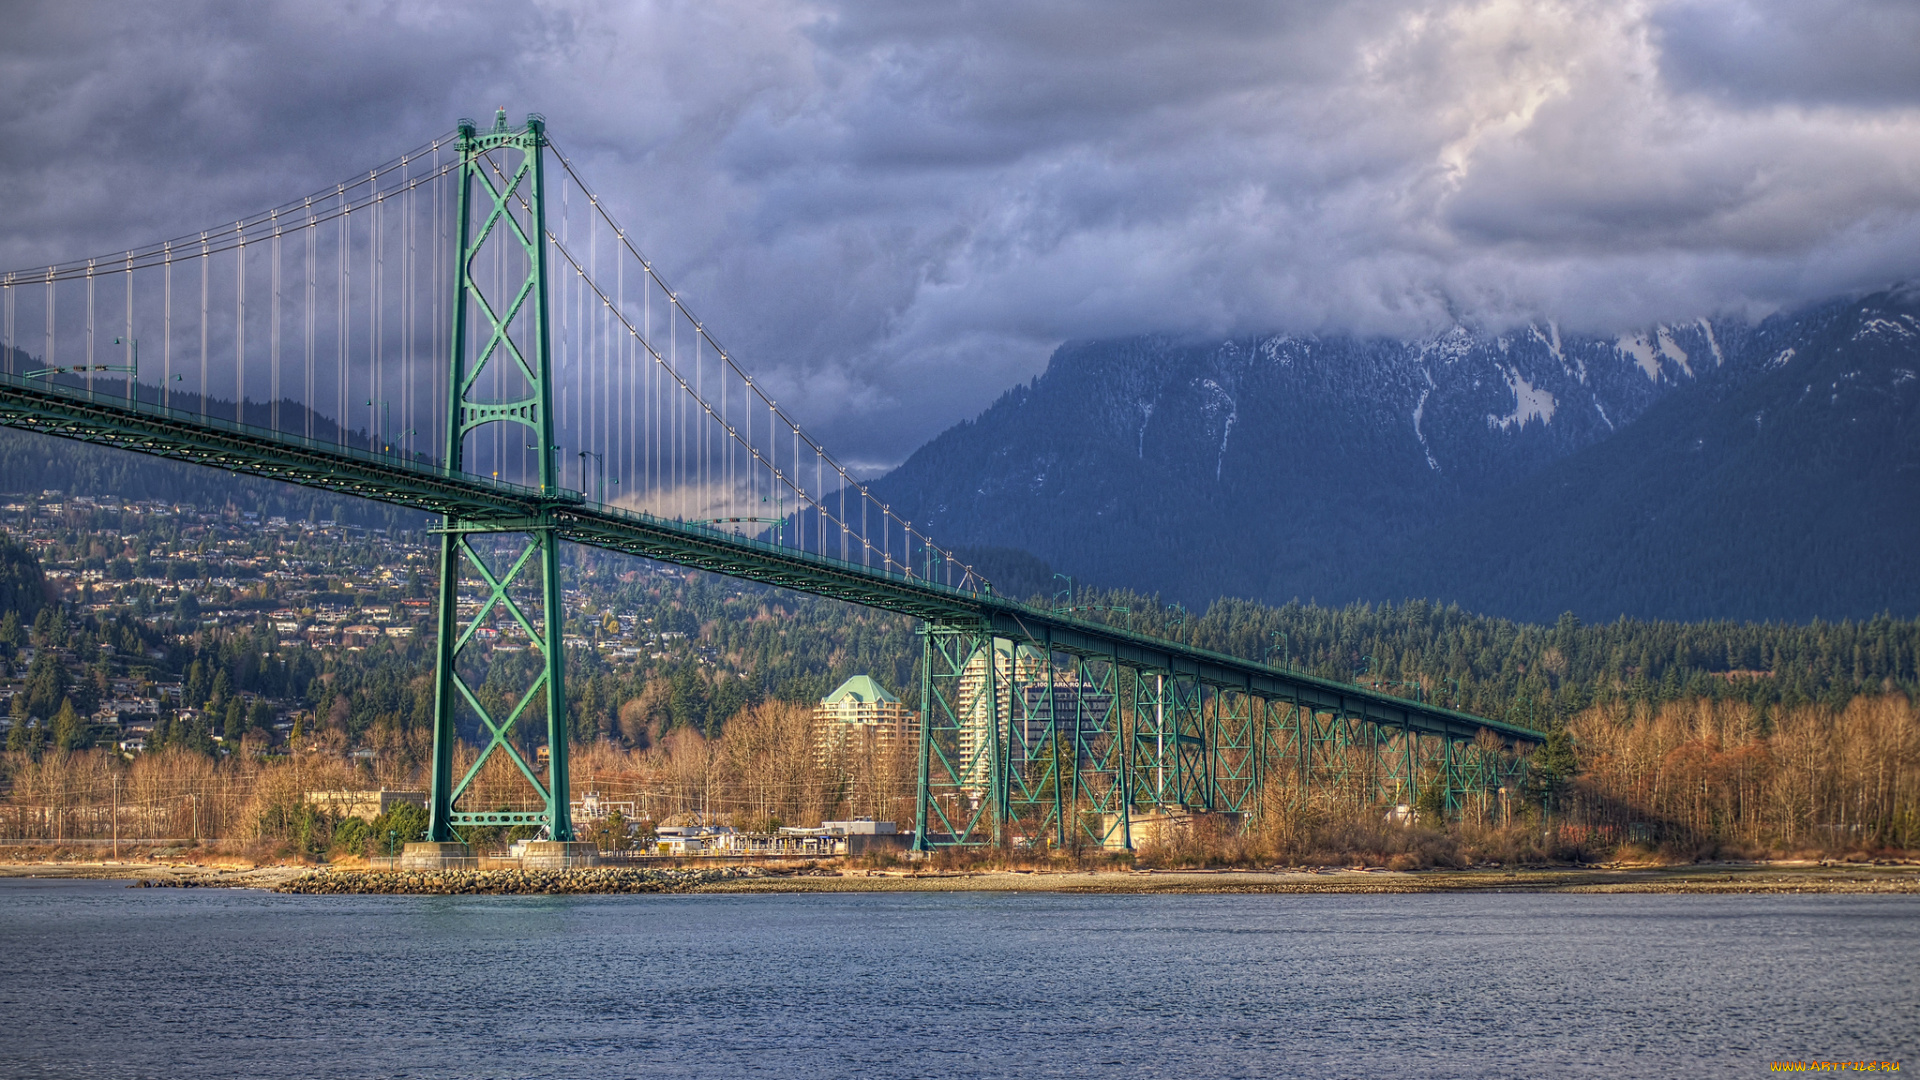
point(1705, 878)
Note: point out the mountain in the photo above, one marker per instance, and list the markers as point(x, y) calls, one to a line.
point(1713, 469)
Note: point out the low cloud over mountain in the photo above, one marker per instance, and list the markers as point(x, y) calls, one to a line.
point(1705, 469)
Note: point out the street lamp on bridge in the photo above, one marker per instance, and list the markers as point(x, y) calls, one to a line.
point(600, 459)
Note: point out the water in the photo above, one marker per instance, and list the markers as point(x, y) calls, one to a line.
point(100, 980)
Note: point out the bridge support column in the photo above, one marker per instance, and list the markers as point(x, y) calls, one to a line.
point(922, 794)
point(957, 796)
point(440, 787)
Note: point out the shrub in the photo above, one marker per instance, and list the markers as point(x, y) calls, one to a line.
point(405, 819)
point(350, 837)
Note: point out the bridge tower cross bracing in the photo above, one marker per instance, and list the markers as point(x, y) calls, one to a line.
point(501, 203)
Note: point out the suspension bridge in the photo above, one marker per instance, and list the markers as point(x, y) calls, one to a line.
point(457, 329)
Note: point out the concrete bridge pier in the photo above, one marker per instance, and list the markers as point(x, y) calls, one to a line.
point(438, 855)
point(559, 855)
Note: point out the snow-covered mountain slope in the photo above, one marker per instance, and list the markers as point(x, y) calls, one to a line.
point(1342, 468)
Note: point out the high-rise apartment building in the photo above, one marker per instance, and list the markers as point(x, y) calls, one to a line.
point(861, 717)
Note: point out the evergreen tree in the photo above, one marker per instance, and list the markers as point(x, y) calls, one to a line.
point(1552, 766)
point(69, 730)
point(197, 736)
point(24, 737)
point(45, 688)
point(195, 690)
point(23, 588)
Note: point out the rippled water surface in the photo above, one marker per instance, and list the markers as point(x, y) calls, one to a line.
point(100, 980)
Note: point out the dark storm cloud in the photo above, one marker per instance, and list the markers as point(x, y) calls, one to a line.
point(128, 123)
point(895, 211)
point(1804, 52)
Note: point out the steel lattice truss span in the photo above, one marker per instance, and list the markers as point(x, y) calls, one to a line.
point(496, 333)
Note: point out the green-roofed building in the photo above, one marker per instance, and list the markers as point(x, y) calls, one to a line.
point(861, 717)
point(860, 689)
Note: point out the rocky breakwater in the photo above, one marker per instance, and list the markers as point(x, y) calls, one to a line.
point(512, 882)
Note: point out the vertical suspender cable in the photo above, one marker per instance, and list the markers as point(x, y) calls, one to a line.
point(306, 310)
point(586, 349)
point(205, 258)
point(772, 462)
point(699, 393)
point(47, 358)
point(651, 432)
point(625, 349)
point(133, 392)
point(89, 355)
point(586, 344)
point(273, 336)
point(240, 327)
point(577, 375)
point(166, 327)
point(670, 404)
point(604, 438)
point(753, 465)
point(406, 311)
point(437, 361)
point(376, 379)
point(340, 325)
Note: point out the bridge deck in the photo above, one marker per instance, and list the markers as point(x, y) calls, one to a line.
point(149, 428)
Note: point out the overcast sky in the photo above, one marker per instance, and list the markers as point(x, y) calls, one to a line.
point(897, 210)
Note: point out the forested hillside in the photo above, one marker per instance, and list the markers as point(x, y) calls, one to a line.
point(1534, 673)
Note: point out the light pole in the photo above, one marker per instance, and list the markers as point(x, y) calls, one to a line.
point(133, 362)
point(1286, 649)
point(779, 499)
point(376, 438)
point(600, 460)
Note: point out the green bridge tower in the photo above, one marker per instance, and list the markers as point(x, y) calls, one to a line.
point(503, 336)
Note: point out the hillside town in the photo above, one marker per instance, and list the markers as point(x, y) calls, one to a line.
point(142, 592)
